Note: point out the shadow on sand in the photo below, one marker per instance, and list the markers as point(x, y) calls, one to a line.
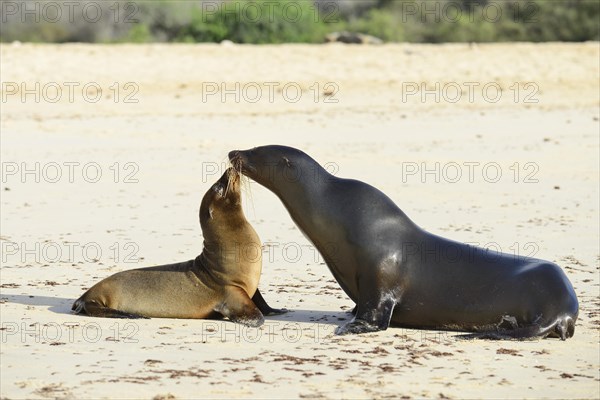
point(312, 316)
point(60, 305)
point(57, 305)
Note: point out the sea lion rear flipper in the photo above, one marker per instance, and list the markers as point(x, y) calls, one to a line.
point(264, 308)
point(240, 308)
point(563, 328)
point(93, 309)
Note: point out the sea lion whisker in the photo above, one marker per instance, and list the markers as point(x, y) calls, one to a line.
point(229, 179)
point(245, 184)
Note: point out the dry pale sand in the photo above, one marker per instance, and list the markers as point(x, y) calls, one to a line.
point(62, 233)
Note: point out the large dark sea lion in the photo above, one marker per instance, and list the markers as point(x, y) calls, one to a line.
point(221, 281)
point(397, 272)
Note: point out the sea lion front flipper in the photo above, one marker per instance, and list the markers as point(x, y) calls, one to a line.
point(371, 316)
point(264, 308)
point(240, 308)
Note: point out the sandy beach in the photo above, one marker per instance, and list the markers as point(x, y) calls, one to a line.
point(107, 151)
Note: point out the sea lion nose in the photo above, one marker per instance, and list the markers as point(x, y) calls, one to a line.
point(233, 154)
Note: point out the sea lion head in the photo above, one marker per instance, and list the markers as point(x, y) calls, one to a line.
point(222, 199)
point(231, 246)
point(278, 168)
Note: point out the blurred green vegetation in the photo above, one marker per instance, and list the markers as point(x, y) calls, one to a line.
point(256, 22)
point(300, 21)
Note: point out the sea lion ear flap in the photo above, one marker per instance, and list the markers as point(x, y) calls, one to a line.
point(210, 212)
point(287, 161)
